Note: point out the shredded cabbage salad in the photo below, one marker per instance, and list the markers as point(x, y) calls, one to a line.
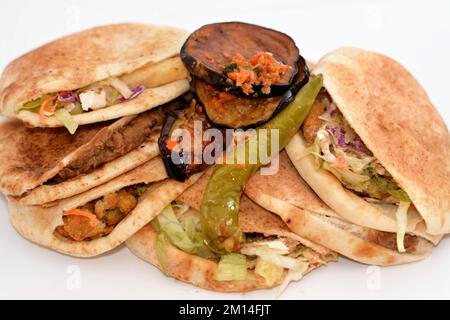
point(402, 221)
point(66, 118)
point(232, 266)
point(183, 235)
point(93, 97)
point(338, 149)
point(268, 260)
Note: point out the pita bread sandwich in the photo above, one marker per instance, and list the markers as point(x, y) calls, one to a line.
point(374, 148)
point(289, 196)
point(102, 218)
point(99, 74)
point(271, 255)
point(42, 165)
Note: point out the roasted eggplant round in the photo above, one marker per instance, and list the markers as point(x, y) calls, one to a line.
point(242, 58)
point(177, 153)
point(225, 110)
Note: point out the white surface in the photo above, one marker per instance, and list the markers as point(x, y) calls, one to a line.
point(414, 32)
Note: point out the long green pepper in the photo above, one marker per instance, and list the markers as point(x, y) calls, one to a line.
point(220, 207)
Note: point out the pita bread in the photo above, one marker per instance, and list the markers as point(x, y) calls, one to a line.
point(287, 195)
point(33, 156)
point(347, 204)
point(38, 223)
point(83, 58)
point(49, 193)
point(267, 223)
point(184, 266)
point(393, 115)
point(149, 99)
point(199, 271)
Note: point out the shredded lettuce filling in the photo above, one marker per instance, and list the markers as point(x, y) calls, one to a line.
point(357, 171)
point(232, 266)
point(32, 105)
point(93, 97)
point(292, 275)
point(66, 118)
point(402, 221)
point(161, 253)
point(120, 86)
point(271, 272)
point(184, 237)
point(267, 260)
point(273, 260)
point(338, 149)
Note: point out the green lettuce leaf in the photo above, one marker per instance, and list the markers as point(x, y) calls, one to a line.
point(232, 266)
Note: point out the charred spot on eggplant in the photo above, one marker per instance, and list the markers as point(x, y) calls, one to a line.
point(225, 110)
point(213, 52)
point(178, 156)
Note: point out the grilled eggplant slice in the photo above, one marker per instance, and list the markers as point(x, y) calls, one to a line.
point(209, 54)
point(177, 156)
point(225, 110)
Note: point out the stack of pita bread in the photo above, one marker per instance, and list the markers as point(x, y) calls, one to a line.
point(81, 170)
point(48, 173)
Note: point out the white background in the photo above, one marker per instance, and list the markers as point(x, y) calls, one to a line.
point(416, 33)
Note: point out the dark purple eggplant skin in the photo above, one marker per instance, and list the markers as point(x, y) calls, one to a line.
point(216, 76)
point(177, 172)
point(180, 171)
point(288, 96)
point(173, 109)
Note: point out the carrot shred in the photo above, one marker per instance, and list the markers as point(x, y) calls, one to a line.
point(171, 144)
point(232, 76)
point(261, 69)
point(77, 212)
point(46, 108)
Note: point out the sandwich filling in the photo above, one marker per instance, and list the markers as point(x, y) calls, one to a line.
point(108, 145)
point(261, 69)
point(264, 258)
point(64, 105)
point(339, 150)
point(99, 217)
point(381, 238)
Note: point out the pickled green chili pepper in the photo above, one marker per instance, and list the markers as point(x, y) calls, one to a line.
point(220, 207)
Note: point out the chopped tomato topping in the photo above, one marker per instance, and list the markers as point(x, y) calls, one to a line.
point(261, 69)
point(171, 144)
